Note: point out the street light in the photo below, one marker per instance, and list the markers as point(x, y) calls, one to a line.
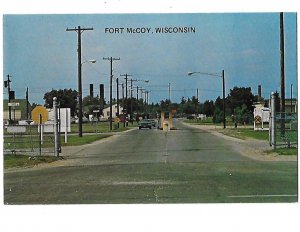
point(80, 97)
point(223, 80)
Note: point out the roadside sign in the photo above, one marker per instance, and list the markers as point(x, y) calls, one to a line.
point(14, 104)
point(257, 119)
point(96, 111)
point(37, 111)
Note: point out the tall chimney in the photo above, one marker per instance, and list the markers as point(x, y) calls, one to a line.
point(259, 93)
point(101, 96)
point(91, 90)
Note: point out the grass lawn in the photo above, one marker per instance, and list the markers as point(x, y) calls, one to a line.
point(13, 161)
point(74, 140)
point(285, 151)
point(243, 133)
point(101, 127)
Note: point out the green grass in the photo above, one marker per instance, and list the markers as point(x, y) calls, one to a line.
point(285, 151)
point(26, 142)
point(14, 161)
point(75, 140)
point(243, 133)
point(209, 121)
point(100, 127)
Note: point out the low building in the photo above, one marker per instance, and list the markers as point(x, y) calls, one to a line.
point(106, 111)
point(291, 105)
point(18, 109)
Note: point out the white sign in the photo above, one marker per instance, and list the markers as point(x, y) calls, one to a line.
point(13, 104)
point(64, 114)
point(16, 129)
point(262, 112)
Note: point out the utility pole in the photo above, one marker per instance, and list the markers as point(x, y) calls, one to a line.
point(123, 103)
point(110, 88)
point(7, 85)
point(224, 100)
point(282, 77)
point(170, 92)
point(291, 98)
point(126, 92)
point(79, 31)
point(146, 101)
point(118, 111)
point(27, 105)
point(137, 99)
point(131, 113)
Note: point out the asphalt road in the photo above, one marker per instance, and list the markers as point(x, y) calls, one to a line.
point(152, 166)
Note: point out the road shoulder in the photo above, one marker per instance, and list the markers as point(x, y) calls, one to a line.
point(251, 148)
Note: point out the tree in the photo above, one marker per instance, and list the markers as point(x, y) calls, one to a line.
point(88, 100)
point(66, 97)
point(208, 108)
point(242, 114)
point(240, 96)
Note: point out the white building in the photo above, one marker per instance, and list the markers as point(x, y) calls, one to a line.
point(261, 117)
point(106, 111)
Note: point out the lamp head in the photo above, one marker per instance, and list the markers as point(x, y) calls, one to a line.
point(190, 73)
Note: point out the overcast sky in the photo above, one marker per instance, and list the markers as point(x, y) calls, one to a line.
point(40, 54)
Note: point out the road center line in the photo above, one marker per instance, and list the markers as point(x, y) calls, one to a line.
point(253, 196)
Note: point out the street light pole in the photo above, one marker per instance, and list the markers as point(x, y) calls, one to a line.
point(223, 90)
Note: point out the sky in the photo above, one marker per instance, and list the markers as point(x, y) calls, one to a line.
point(40, 54)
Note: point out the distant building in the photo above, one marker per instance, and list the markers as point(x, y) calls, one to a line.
point(106, 111)
point(291, 105)
point(18, 110)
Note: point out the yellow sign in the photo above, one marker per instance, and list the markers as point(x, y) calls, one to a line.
point(257, 119)
point(37, 111)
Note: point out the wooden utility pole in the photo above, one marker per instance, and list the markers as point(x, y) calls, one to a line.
point(118, 111)
point(126, 92)
point(282, 78)
point(79, 31)
point(110, 88)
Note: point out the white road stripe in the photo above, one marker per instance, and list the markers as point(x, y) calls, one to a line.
point(253, 196)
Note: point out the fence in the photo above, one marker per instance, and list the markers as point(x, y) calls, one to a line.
point(286, 129)
point(29, 139)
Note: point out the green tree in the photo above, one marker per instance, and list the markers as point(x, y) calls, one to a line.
point(240, 96)
point(208, 108)
point(66, 97)
point(243, 115)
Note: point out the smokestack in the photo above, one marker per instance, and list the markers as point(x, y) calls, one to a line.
point(259, 93)
point(91, 90)
point(101, 96)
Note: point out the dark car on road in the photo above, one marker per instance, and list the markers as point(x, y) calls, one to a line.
point(145, 124)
